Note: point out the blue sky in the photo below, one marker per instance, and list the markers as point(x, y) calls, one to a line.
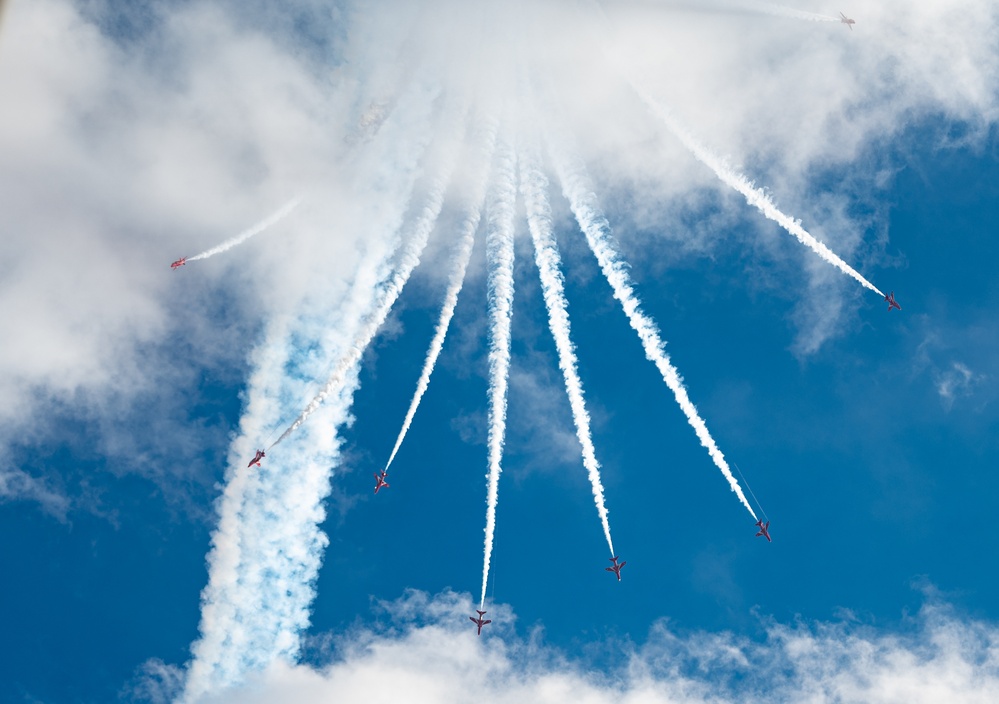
point(132, 394)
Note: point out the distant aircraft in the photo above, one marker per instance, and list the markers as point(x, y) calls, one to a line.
point(380, 482)
point(891, 302)
point(256, 460)
point(616, 569)
point(480, 622)
point(847, 21)
point(179, 263)
point(764, 530)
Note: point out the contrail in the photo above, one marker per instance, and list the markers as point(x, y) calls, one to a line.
point(247, 234)
point(578, 191)
point(466, 240)
point(408, 261)
point(534, 189)
point(756, 197)
point(499, 252)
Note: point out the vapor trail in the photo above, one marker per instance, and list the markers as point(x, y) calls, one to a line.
point(247, 234)
point(466, 240)
point(409, 259)
point(756, 197)
point(578, 191)
point(499, 253)
point(534, 189)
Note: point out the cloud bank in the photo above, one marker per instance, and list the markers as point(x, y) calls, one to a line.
point(429, 653)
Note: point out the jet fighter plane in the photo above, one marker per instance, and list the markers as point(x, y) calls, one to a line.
point(616, 569)
point(764, 530)
point(891, 302)
point(380, 482)
point(179, 263)
point(256, 460)
point(480, 622)
point(847, 21)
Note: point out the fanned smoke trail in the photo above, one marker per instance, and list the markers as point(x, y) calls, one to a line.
point(578, 191)
point(466, 240)
point(268, 546)
point(247, 234)
point(534, 189)
point(756, 197)
point(499, 252)
point(409, 259)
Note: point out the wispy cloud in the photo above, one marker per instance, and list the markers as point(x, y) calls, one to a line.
point(956, 382)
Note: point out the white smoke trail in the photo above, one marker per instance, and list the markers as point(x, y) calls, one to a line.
point(267, 548)
point(408, 261)
point(247, 234)
point(499, 250)
point(466, 240)
point(756, 197)
point(534, 189)
point(781, 11)
point(578, 191)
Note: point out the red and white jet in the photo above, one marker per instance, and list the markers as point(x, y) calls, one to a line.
point(256, 460)
point(480, 622)
point(847, 21)
point(380, 482)
point(891, 302)
point(764, 530)
point(616, 569)
point(179, 263)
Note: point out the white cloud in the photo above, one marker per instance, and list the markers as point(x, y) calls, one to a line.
point(430, 653)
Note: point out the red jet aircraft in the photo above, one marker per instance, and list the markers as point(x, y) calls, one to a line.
point(764, 530)
point(616, 569)
point(847, 21)
point(179, 263)
point(380, 482)
point(256, 460)
point(891, 302)
point(480, 622)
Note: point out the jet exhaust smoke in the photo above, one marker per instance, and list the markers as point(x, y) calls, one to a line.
point(247, 234)
point(756, 197)
point(534, 190)
point(500, 253)
point(578, 191)
point(466, 241)
point(411, 252)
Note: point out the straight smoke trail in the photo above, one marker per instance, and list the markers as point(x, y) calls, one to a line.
point(578, 191)
point(781, 11)
point(408, 261)
point(534, 189)
point(499, 253)
point(247, 234)
point(466, 241)
point(756, 197)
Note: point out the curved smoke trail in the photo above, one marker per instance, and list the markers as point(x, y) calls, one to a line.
point(578, 191)
point(499, 252)
point(247, 234)
point(534, 188)
point(466, 240)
